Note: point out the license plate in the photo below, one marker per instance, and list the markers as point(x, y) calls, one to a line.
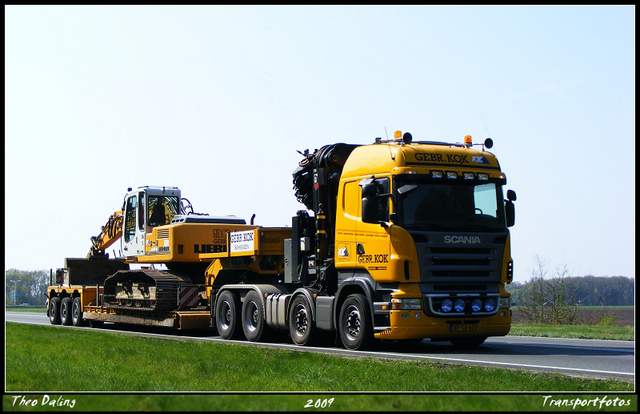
point(463, 328)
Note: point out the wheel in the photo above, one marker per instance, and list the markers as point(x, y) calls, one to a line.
point(355, 327)
point(472, 342)
point(54, 311)
point(226, 315)
point(65, 311)
point(253, 323)
point(301, 326)
point(76, 312)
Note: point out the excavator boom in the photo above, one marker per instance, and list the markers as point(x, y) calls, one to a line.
point(110, 233)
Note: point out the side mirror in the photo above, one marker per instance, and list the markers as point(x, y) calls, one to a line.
point(510, 208)
point(369, 204)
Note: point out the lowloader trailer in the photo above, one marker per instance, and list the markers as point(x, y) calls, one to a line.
point(399, 240)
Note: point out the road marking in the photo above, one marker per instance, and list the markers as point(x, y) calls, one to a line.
point(510, 364)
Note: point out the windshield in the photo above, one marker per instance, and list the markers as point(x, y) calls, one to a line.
point(443, 205)
point(162, 209)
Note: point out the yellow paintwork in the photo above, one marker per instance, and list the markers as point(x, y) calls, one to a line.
point(252, 244)
point(264, 241)
point(409, 324)
point(163, 243)
point(387, 248)
point(383, 159)
point(179, 319)
point(422, 326)
point(111, 232)
point(87, 294)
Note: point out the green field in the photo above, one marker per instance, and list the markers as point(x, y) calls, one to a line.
point(57, 361)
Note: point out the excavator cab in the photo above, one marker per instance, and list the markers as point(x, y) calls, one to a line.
point(144, 209)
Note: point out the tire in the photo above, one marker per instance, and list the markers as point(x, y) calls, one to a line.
point(227, 315)
point(76, 312)
point(54, 311)
point(356, 331)
point(65, 311)
point(467, 343)
point(253, 323)
point(301, 326)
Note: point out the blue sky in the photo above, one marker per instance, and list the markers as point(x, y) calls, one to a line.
point(216, 100)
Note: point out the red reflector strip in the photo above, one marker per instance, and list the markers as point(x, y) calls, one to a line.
point(188, 296)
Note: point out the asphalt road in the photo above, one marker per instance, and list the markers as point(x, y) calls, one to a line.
point(579, 357)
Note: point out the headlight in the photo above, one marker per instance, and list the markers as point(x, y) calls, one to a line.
point(490, 305)
point(406, 304)
point(505, 303)
point(446, 306)
point(476, 305)
point(459, 305)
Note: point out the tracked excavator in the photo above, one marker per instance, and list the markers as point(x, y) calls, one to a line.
point(156, 227)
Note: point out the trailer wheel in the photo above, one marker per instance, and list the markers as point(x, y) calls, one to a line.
point(226, 315)
point(354, 325)
point(253, 317)
point(65, 311)
point(301, 326)
point(76, 312)
point(54, 310)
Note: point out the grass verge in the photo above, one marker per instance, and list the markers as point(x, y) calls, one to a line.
point(49, 359)
point(620, 333)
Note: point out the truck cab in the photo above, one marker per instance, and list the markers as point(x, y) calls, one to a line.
point(426, 224)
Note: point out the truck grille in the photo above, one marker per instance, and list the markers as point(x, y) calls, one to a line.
point(451, 262)
point(460, 278)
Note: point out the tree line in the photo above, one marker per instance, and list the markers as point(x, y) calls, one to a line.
point(26, 286)
point(557, 298)
point(583, 290)
point(541, 290)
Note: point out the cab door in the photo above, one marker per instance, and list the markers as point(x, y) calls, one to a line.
point(372, 239)
point(133, 235)
point(347, 214)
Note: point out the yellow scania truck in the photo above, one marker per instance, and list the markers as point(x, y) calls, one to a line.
point(399, 240)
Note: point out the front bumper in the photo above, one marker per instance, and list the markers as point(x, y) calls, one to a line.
point(415, 324)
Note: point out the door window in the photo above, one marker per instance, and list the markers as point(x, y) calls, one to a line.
point(130, 219)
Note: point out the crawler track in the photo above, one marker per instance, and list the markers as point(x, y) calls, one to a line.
point(143, 290)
